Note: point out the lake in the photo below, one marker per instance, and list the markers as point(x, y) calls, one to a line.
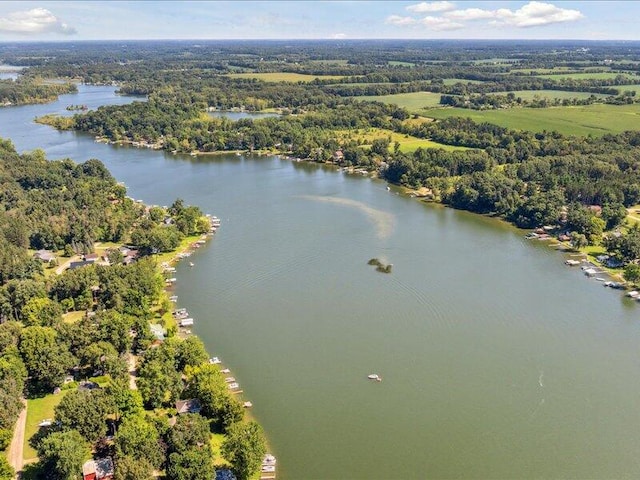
point(497, 360)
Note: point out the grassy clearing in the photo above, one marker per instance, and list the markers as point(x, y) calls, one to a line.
point(407, 142)
point(626, 88)
point(540, 71)
point(395, 63)
point(329, 62)
point(550, 94)
point(453, 81)
point(73, 317)
point(633, 214)
point(411, 101)
point(497, 61)
point(216, 444)
point(594, 120)
point(285, 77)
point(38, 409)
point(583, 76)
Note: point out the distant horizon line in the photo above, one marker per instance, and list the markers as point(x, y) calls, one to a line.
point(336, 40)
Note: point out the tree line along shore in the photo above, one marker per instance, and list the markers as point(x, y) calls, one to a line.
point(77, 342)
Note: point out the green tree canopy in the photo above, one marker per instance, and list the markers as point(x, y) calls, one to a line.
point(63, 453)
point(47, 361)
point(191, 430)
point(85, 411)
point(129, 468)
point(192, 464)
point(244, 447)
point(139, 439)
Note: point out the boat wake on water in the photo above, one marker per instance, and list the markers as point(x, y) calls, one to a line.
point(383, 221)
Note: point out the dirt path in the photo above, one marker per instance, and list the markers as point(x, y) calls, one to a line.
point(14, 453)
point(132, 372)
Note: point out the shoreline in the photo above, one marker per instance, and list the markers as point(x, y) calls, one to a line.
point(190, 247)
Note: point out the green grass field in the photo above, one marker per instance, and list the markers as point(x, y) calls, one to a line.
point(583, 76)
point(411, 101)
point(407, 143)
point(453, 81)
point(497, 61)
point(329, 62)
point(539, 71)
point(395, 63)
point(588, 120)
point(550, 94)
point(38, 409)
point(623, 88)
point(284, 77)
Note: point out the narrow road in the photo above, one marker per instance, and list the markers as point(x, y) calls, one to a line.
point(14, 453)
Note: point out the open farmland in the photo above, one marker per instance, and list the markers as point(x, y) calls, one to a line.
point(407, 143)
point(284, 77)
point(411, 101)
point(551, 94)
point(595, 119)
point(453, 81)
point(584, 76)
point(626, 88)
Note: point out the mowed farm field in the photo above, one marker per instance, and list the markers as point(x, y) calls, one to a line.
point(550, 94)
point(411, 101)
point(284, 77)
point(585, 75)
point(596, 120)
point(407, 143)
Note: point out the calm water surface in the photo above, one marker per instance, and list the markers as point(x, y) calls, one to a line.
point(497, 360)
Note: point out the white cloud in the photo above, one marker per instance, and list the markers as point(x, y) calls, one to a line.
point(36, 20)
point(430, 7)
point(470, 14)
point(398, 20)
point(439, 23)
point(338, 36)
point(535, 14)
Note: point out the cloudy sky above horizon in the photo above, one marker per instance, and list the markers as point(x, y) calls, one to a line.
point(340, 19)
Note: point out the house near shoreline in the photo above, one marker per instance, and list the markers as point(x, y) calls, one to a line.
point(191, 405)
point(99, 469)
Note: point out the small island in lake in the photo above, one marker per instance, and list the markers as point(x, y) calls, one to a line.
point(380, 267)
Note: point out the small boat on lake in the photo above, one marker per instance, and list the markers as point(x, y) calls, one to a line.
point(374, 376)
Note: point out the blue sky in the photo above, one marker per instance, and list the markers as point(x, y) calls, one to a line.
point(546, 19)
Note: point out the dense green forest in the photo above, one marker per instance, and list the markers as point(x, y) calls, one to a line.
point(84, 324)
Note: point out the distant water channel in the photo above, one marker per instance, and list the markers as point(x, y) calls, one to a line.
point(497, 360)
